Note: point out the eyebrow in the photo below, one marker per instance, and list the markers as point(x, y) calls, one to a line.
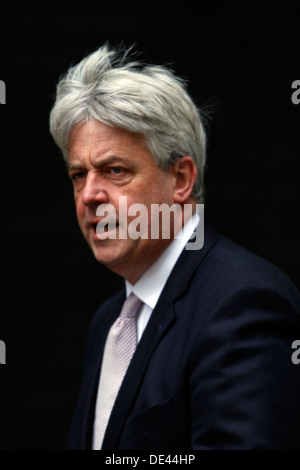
point(108, 161)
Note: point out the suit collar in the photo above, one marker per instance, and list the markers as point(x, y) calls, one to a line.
point(150, 285)
point(188, 263)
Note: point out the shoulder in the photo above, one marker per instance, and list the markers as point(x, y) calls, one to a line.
point(231, 265)
point(227, 272)
point(245, 318)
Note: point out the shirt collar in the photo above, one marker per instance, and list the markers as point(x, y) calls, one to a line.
point(150, 285)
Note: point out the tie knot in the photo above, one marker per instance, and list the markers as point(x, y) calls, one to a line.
point(130, 306)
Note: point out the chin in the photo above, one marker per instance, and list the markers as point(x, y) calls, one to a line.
point(111, 255)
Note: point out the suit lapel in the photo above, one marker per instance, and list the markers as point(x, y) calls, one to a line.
point(187, 264)
point(94, 361)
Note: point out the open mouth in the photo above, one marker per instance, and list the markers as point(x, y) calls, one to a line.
point(104, 227)
point(101, 230)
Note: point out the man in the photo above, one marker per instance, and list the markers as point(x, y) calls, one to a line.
point(195, 351)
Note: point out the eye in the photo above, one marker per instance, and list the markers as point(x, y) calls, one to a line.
point(116, 170)
point(78, 175)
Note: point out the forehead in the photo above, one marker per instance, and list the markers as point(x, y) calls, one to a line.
point(95, 136)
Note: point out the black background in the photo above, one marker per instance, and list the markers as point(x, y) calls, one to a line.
point(240, 61)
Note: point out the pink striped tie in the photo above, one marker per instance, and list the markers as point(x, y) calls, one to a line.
point(119, 349)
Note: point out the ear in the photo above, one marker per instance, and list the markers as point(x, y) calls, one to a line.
point(185, 173)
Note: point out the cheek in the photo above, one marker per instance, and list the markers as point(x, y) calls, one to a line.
point(161, 190)
point(149, 190)
point(79, 211)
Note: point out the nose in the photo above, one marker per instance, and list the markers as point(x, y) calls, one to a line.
point(94, 191)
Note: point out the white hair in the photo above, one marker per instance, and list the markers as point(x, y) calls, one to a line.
point(145, 99)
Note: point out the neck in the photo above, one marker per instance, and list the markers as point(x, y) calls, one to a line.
point(148, 251)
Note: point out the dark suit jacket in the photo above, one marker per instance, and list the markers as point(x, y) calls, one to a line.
point(213, 368)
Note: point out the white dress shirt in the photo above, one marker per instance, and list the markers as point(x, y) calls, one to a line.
point(149, 287)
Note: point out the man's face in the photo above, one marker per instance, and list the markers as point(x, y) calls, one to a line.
point(106, 163)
